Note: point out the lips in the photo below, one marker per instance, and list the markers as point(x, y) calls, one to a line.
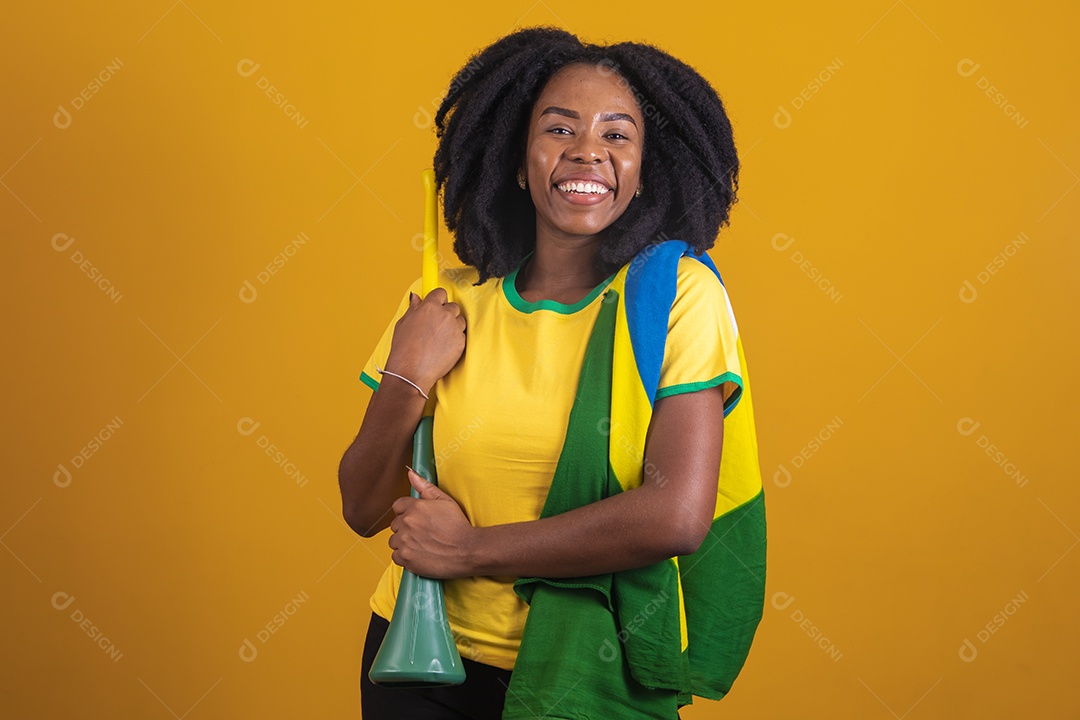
point(584, 184)
point(583, 188)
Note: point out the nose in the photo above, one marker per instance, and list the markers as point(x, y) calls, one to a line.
point(586, 149)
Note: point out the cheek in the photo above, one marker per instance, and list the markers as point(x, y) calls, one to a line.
point(540, 159)
point(632, 166)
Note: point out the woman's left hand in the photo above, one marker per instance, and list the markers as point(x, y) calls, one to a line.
point(430, 534)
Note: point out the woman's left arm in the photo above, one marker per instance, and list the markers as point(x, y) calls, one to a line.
point(669, 514)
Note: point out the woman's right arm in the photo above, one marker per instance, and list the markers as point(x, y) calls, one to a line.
point(428, 341)
point(372, 472)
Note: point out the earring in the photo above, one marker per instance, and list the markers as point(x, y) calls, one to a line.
point(637, 193)
point(521, 181)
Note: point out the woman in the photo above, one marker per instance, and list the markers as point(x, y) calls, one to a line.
point(564, 169)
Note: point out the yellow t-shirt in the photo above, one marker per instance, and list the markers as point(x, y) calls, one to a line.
point(501, 416)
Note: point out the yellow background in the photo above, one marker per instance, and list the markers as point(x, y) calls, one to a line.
point(894, 541)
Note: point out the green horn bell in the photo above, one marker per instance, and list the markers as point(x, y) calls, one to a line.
point(419, 649)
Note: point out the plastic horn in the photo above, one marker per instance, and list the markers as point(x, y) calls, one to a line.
point(419, 649)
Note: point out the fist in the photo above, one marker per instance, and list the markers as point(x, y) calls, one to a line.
point(428, 340)
point(431, 535)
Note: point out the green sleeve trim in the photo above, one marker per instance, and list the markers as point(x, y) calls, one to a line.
point(370, 381)
point(729, 404)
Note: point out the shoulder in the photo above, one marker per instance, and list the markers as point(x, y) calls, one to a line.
point(459, 282)
point(459, 278)
point(701, 294)
point(694, 267)
point(697, 281)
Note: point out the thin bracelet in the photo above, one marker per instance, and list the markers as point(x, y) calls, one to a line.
point(387, 372)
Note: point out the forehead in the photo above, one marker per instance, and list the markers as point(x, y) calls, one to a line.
point(588, 89)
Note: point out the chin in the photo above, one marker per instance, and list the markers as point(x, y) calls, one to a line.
point(580, 226)
point(585, 231)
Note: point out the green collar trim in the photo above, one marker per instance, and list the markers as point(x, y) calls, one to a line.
point(521, 304)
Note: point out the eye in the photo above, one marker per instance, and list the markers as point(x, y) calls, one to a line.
point(559, 130)
point(617, 136)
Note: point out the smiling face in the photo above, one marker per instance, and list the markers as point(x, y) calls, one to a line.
point(583, 154)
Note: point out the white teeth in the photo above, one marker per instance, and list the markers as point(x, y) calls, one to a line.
point(584, 188)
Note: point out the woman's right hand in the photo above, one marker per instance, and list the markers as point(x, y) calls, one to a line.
point(428, 340)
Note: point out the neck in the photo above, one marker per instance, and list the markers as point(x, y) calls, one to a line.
point(560, 267)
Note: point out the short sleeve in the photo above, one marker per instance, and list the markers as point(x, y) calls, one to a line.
point(370, 376)
point(702, 345)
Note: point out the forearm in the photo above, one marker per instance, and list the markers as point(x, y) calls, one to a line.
point(372, 473)
point(631, 529)
point(670, 514)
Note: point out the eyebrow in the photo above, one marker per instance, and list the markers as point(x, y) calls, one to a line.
point(604, 117)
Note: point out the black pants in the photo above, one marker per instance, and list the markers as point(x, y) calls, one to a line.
point(480, 697)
